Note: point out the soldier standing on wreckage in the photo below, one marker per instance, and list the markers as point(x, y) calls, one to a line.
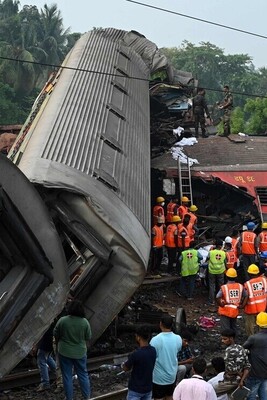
point(226, 105)
point(199, 109)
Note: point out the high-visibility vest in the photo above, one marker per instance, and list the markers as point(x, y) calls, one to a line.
point(191, 231)
point(232, 295)
point(190, 264)
point(170, 237)
point(193, 218)
point(248, 239)
point(231, 258)
point(263, 241)
point(158, 211)
point(257, 291)
point(170, 211)
point(216, 261)
point(183, 241)
point(235, 245)
point(182, 210)
point(157, 236)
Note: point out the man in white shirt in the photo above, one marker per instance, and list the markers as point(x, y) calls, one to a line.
point(195, 387)
point(219, 366)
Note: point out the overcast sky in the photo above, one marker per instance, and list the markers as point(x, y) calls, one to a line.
point(167, 30)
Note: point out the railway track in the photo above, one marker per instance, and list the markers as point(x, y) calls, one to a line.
point(116, 395)
point(31, 377)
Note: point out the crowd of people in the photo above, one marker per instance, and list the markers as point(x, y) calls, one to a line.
point(236, 277)
point(165, 368)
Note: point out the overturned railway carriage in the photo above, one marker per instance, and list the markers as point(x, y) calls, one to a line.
point(85, 151)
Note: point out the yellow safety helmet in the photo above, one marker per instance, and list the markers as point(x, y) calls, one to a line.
point(193, 208)
point(261, 319)
point(264, 225)
point(185, 199)
point(176, 218)
point(253, 269)
point(160, 199)
point(231, 273)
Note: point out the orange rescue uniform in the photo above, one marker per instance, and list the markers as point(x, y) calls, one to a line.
point(247, 242)
point(232, 295)
point(157, 236)
point(170, 211)
point(231, 258)
point(263, 241)
point(256, 289)
point(158, 211)
point(171, 235)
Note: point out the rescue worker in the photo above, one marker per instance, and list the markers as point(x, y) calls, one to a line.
point(230, 298)
point(171, 242)
point(185, 234)
point(158, 210)
point(262, 238)
point(190, 260)
point(235, 240)
point(231, 258)
point(199, 109)
point(226, 105)
point(248, 247)
point(183, 209)
point(256, 288)
point(172, 209)
point(157, 244)
point(216, 267)
point(192, 212)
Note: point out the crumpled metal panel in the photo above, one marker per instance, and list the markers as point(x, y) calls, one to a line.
point(96, 123)
point(88, 137)
point(28, 328)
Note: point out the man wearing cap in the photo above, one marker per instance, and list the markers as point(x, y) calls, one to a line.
point(230, 298)
point(172, 209)
point(183, 209)
point(157, 236)
point(190, 260)
point(226, 105)
point(158, 210)
point(257, 346)
point(216, 267)
point(247, 247)
point(230, 253)
point(200, 107)
point(256, 288)
point(171, 242)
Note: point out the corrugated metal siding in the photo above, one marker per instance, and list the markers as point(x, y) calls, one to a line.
point(102, 126)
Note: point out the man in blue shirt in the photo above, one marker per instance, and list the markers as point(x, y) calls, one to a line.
point(167, 345)
point(141, 363)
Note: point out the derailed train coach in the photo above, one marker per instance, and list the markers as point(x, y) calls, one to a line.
point(75, 192)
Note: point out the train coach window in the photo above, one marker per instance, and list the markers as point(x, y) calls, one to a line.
point(169, 186)
point(262, 193)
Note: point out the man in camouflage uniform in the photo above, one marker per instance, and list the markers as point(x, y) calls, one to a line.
point(237, 364)
point(199, 109)
point(226, 105)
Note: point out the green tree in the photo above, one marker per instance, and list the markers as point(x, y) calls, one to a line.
point(213, 69)
point(256, 110)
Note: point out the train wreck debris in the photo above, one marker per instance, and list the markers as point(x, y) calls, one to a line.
point(229, 188)
point(80, 184)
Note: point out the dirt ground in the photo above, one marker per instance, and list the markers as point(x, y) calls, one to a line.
point(147, 303)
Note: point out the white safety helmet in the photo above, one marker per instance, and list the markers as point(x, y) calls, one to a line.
point(228, 239)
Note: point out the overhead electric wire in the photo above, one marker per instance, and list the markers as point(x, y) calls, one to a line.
point(198, 19)
point(121, 76)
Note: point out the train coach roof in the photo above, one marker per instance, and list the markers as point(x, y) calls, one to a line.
point(220, 153)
